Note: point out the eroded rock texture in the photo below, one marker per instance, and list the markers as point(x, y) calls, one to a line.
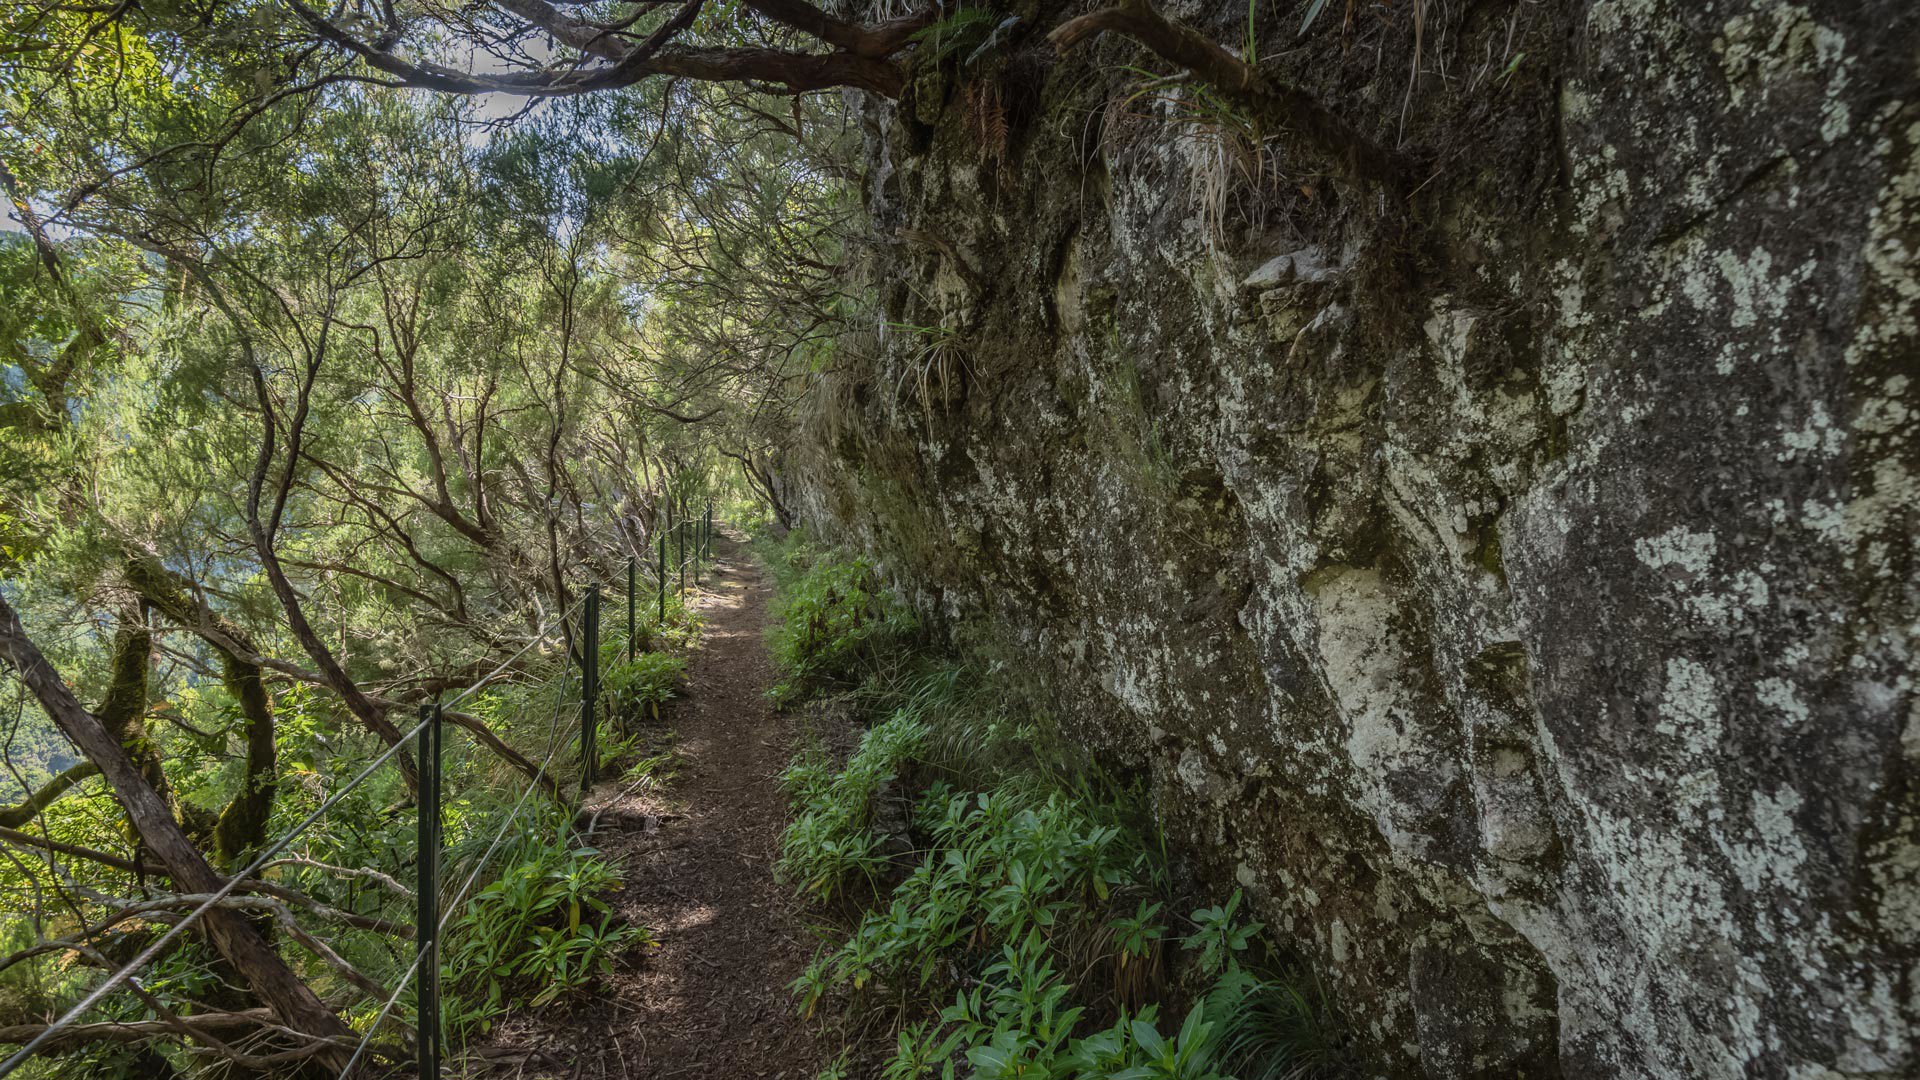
point(1512, 588)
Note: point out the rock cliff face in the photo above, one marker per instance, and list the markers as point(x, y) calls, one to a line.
point(1511, 586)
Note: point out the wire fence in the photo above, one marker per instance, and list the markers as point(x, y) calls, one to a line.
point(428, 946)
point(693, 539)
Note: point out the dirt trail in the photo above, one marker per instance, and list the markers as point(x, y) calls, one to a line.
point(711, 1000)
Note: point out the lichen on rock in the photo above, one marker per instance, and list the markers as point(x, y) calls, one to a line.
point(1512, 590)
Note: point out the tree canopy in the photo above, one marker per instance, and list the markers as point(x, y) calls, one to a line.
point(325, 396)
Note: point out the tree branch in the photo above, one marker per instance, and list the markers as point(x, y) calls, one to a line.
point(1270, 101)
point(27, 810)
point(250, 956)
point(797, 72)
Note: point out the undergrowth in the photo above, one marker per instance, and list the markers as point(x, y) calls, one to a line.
point(833, 621)
point(534, 926)
point(539, 931)
point(1005, 902)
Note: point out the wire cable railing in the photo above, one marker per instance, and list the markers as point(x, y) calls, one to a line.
point(423, 972)
point(119, 978)
point(430, 719)
point(429, 947)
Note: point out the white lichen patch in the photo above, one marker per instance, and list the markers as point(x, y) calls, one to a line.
point(1784, 699)
point(1818, 437)
point(1690, 706)
point(1679, 546)
point(1778, 45)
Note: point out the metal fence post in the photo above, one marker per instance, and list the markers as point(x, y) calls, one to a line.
point(632, 562)
point(680, 542)
point(663, 580)
point(427, 925)
point(589, 687)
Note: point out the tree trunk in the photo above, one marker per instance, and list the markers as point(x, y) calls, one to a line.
point(264, 971)
point(243, 824)
point(123, 710)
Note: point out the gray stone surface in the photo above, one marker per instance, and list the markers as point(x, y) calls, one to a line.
point(1516, 594)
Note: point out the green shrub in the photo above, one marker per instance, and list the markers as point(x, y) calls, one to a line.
point(835, 621)
point(831, 839)
point(1029, 939)
point(1019, 885)
point(538, 931)
point(636, 689)
point(676, 633)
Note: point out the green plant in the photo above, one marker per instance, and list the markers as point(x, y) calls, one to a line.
point(1217, 938)
point(923, 1049)
point(833, 621)
point(967, 28)
point(529, 932)
point(934, 359)
point(637, 688)
point(1030, 871)
point(813, 984)
point(840, 1068)
point(566, 960)
point(660, 767)
point(1284, 1029)
point(1136, 944)
point(830, 840)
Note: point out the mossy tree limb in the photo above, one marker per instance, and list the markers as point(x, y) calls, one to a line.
point(123, 710)
point(243, 824)
point(26, 810)
point(255, 962)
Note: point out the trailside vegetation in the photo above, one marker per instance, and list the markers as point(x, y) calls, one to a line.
point(1003, 903)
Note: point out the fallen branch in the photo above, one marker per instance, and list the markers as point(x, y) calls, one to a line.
point(216, 1024)
point(385, 881)
point(1276, 103)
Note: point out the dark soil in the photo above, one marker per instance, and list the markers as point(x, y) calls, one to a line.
point(711, 1000)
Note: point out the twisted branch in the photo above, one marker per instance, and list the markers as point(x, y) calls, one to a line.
point(1268, 100)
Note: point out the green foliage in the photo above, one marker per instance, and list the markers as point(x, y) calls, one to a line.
point(1020, 886)
point(1028, 904)
point(835, 620)
point(831, 840)
point(637, 688)
point(935, 358)
point(539, 931)
point(1218, 937)
point(481, 344)
point(965, 29)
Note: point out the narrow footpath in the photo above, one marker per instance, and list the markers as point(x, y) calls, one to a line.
point(698, 854)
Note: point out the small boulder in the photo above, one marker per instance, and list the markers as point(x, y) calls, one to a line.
point(1307, 265)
